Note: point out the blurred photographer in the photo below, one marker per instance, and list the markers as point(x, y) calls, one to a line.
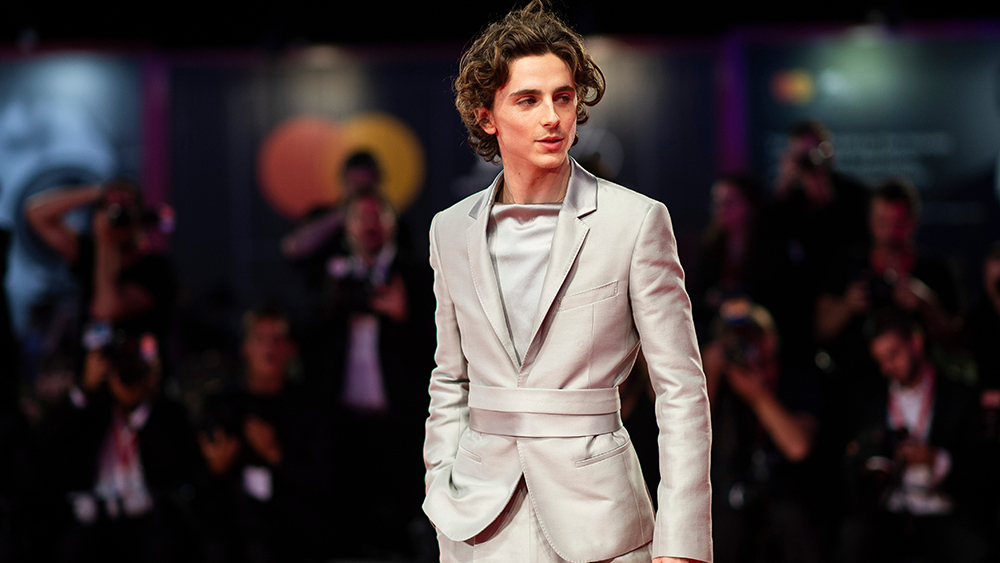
point(764, 422)
point(981, 336)
point(889, 272)
point(379, 338)
point(124, 284)
point(894, 274)
point(818, 213)
point(268, 450)
point(982, 333)
point(123, 459)
point(728, 255)
point(915, 464)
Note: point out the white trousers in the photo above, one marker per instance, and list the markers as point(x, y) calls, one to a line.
point(516, 537)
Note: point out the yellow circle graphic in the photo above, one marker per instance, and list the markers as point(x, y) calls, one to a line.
point(301, 162)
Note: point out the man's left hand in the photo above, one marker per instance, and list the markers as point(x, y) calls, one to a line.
point(390, 300)
point(262, 439)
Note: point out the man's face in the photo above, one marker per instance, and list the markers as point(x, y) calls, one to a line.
point(357, 178)
point(897, 357)
point(268, 349)
point(367, 226)
point(798, 147)
point(534, 113)
point(729, 208)
point(891, 223)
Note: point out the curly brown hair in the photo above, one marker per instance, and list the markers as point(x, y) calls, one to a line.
point(485, 67)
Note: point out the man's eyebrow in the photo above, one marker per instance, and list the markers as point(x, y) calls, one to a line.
point(525, 92)
point(536, 91)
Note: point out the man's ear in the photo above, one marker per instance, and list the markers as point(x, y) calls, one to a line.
point(486, 121)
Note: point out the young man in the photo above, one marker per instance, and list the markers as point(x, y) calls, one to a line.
point(546, 282)
point(268, 449)
point(917, 459)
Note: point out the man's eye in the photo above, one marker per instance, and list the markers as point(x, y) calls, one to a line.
point(526, 101)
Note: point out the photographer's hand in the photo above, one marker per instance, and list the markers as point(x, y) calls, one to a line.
point(46, 214)
point(834, 312)
point(749, 383)
point(263, 439)
point(791, 432)
point(916, 452)
point(220, 450)
point(910, 293)
point(95, 371)
point(390, 300)
point(913, 295)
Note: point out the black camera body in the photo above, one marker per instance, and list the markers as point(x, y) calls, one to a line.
point(121, 216)
point(819, 157)
point(872, 465)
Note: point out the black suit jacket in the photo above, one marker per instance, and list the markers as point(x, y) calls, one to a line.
point(956, 426)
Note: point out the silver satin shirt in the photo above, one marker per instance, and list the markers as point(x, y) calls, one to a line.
point(519, 237)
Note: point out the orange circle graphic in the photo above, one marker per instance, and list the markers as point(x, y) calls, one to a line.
point(291, 163)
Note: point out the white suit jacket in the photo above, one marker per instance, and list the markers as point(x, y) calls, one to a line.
point(613, 281)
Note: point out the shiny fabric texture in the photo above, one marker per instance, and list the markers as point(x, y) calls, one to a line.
point(543, 413)
point(519, 238)
point(612, 278)
point(516, 537)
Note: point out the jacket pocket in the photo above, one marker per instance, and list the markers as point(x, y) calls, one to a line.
point(470, 455)
point(621, 448)
point(589, 296)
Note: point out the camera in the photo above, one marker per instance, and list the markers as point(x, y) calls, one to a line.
point(871, 459)
point(132, 358)
point(818, 157)
point(740, 333)
point(122, 204)
point(741, 349)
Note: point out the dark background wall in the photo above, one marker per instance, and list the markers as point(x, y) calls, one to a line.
point(686, 102)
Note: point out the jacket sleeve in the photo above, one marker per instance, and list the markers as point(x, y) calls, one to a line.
point(661, 310)
point(449, 384)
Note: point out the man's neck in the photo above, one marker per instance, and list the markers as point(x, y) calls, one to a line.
point(922, 372)
point(265, 385)
point(534, 185)
point(899, 257)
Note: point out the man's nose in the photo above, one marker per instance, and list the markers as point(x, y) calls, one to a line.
point(550, 118)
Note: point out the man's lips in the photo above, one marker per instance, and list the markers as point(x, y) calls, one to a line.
point(551, 142)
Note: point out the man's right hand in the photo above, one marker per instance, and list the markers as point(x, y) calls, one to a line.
point(220, 450)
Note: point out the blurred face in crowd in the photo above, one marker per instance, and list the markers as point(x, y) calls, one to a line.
point(799, 146)
point(127, 396)
point(267, 350)
point(730, 210)
point(890, 222)
point(899, 359)
point(360, 178)
point(368, 226)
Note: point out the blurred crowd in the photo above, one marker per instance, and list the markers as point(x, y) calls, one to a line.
point(854, 392)
point(854, 385)
point(140, 427)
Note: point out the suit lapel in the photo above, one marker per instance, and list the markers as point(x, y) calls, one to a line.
point(571, 231)
point(483, 275)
